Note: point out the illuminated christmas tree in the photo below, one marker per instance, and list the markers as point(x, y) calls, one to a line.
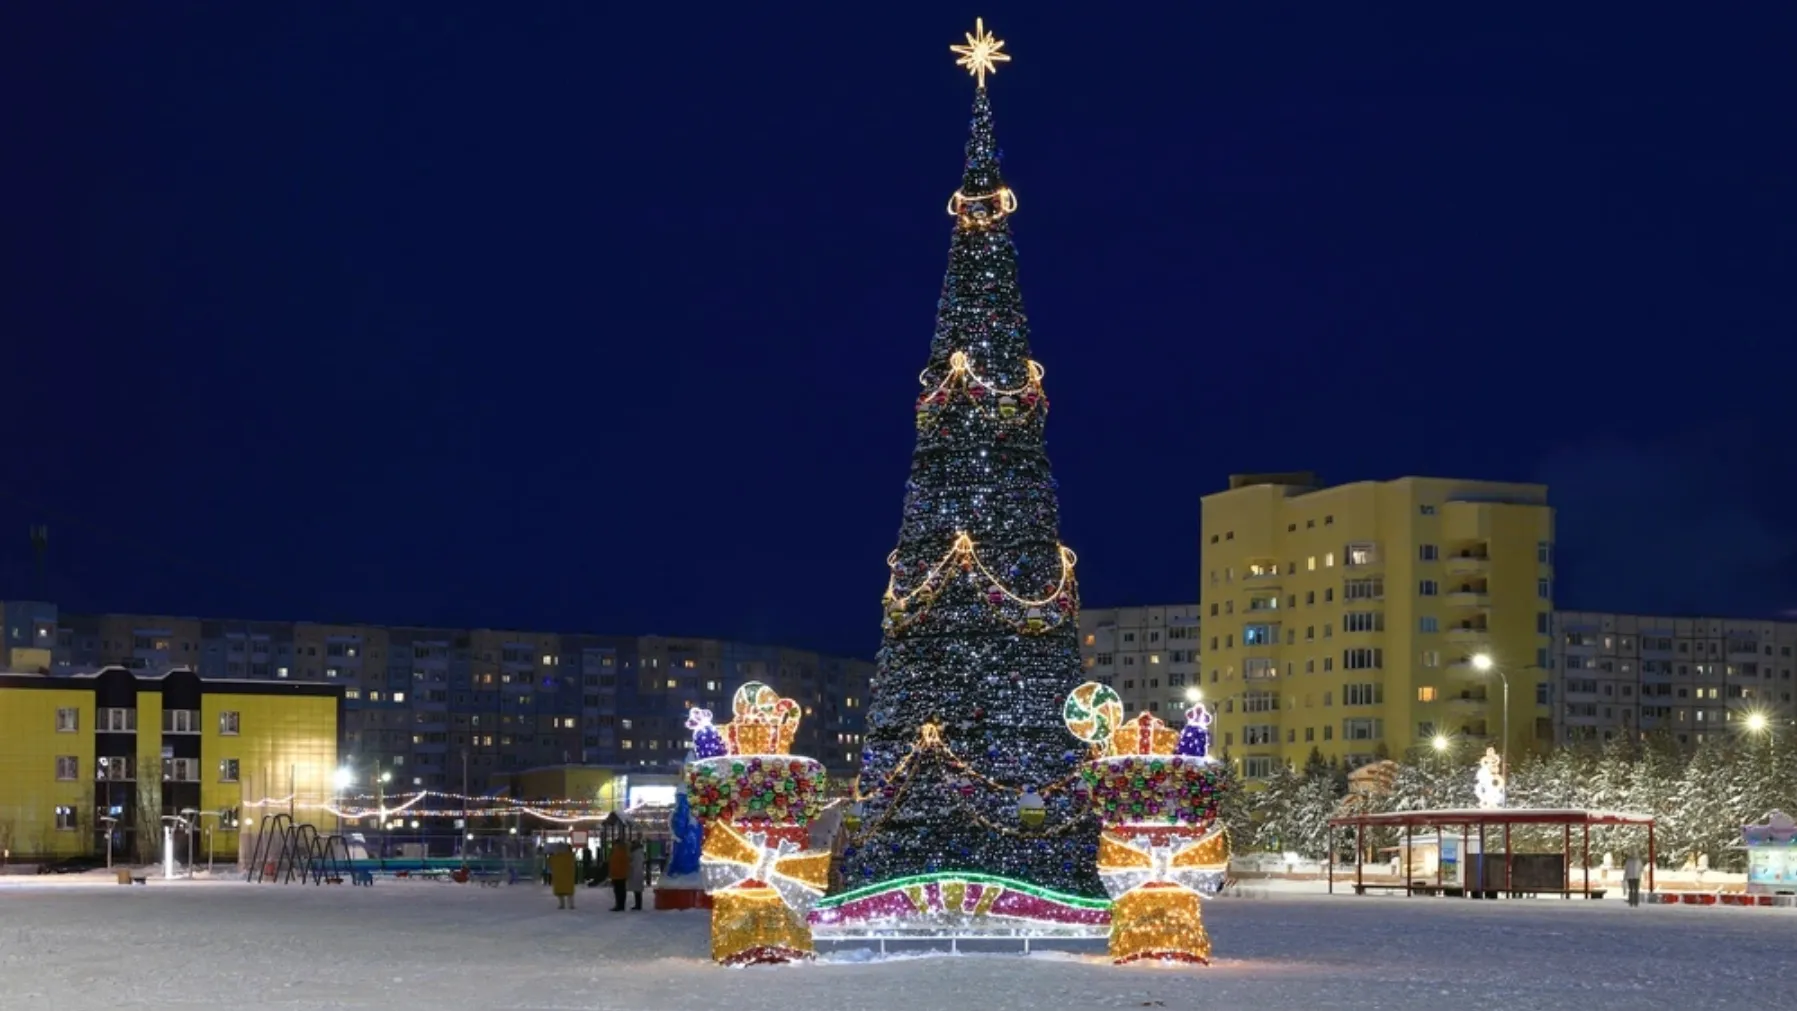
point(967, 756)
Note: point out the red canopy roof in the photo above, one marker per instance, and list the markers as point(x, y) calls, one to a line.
point(1493, 816)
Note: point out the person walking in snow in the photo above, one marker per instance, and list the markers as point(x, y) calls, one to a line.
point(1631, 876)
point(618, 869)
point(639, 873)
point(561, 875)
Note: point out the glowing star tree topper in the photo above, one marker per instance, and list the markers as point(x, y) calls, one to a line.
point(981, 54)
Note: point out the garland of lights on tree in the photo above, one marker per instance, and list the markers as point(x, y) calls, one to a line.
point(968, 821)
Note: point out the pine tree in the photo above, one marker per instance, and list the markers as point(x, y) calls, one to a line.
point(1707, 819)
point(1236, 808)
point(1608, 790)
point(1653, 789)
point(1319, 795)
point(1275, 811)
point(981, 636)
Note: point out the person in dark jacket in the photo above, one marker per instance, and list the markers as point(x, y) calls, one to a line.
point(618, 867)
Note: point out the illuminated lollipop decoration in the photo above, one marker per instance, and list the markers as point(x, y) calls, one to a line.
point(1093, 713)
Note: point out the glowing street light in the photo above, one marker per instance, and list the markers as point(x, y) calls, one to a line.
point(1194, 694)
point(1441, 742)
point(343, 777)
point(1757, 723)
point(1483, 663)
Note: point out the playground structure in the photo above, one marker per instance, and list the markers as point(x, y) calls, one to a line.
point(285, 851)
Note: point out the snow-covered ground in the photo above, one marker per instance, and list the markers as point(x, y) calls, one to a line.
point(79, 944)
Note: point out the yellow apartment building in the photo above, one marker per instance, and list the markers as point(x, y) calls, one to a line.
point(90, 761)
point(1375, 617)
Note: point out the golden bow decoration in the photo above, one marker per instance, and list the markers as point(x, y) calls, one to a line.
point(1200, 864)
point(734, 859)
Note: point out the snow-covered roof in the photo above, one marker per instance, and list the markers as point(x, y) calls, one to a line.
point(1496, 816)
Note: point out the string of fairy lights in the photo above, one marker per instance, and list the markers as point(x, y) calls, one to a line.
point(1008, 404)
point(904, 605)
point(929, 742)
point(565, 811)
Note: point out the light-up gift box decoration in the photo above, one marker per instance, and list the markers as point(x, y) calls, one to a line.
point(1163, 848)
point(755, 800)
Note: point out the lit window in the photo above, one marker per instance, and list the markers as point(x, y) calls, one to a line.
point(1426, 693)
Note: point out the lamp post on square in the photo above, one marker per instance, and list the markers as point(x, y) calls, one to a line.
point(1483, 663)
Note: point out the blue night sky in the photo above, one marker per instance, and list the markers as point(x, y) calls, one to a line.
point(594, 317)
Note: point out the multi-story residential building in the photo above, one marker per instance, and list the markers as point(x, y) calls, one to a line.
point(114, 756)
point(1692, 677)
point(440, 708)
point(1349, 619)
point(27, 635)
point(1149, 654)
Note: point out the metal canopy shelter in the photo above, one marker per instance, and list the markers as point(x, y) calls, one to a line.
point(1469, 819)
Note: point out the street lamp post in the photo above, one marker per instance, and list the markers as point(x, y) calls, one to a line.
point(380, 786)
point(110, 824)
point(1483, 663)
point(340, 781)
point(1760, 726)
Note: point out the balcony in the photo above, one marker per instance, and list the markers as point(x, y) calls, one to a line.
point(1468, 598)
point(1469, 702)
point(1256, 669)
point(1468, 564)
point(1470, 635)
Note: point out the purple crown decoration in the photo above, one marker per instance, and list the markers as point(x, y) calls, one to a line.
point(707, 741)
point(1194, 740)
